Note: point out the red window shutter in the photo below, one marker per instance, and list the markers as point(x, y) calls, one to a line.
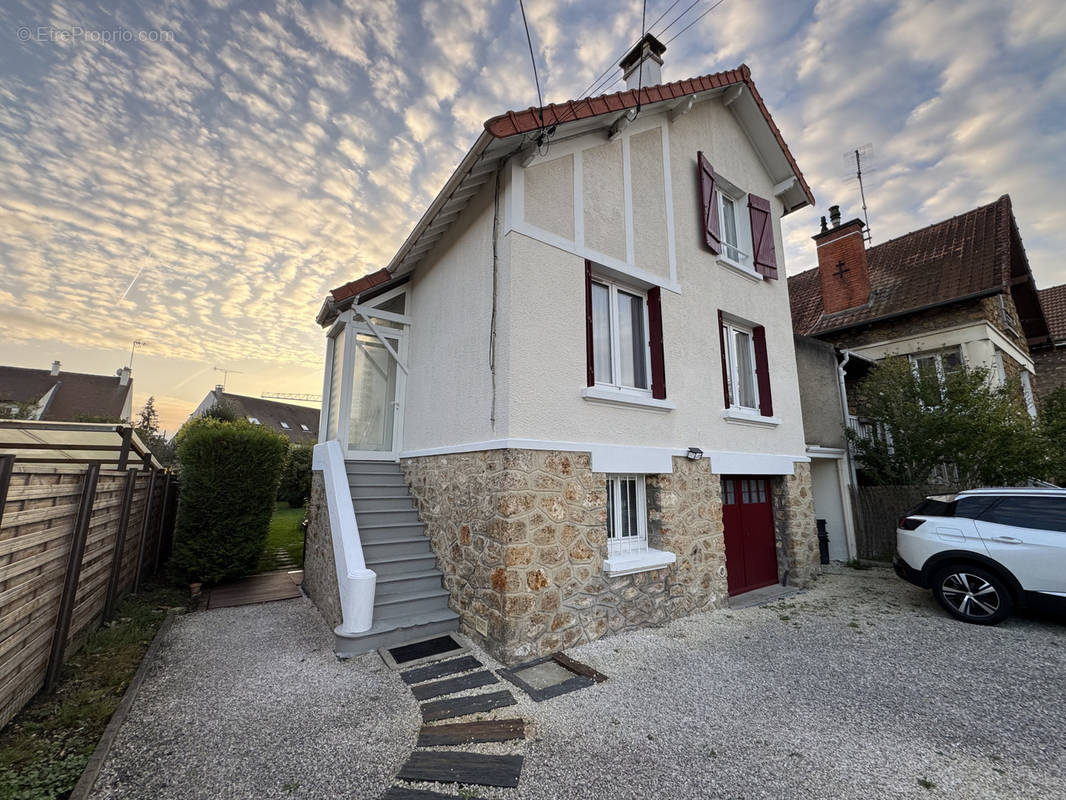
point(725, 361)
point(762, 236)
point(590, 367)
point(708, 204)
point(762, 371)
point(655, 340)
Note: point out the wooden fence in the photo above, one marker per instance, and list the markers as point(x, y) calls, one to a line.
point(878, 510)
point(74, 538)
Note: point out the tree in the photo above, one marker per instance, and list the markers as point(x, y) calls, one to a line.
point(1053, 426)
point(960, 422)
point(295, 486)
point(147, 430)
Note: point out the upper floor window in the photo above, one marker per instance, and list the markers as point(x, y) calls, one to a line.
point(624, 336)
point(937, 365)
point(745, 367)
point(744, 241)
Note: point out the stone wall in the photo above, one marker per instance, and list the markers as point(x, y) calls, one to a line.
point(1050, 371)
point(320, 571)
point(520, 536)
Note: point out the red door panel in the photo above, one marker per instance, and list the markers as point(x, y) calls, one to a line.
point(750, 546)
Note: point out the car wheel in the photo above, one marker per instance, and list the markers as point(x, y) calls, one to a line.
point(973, 594)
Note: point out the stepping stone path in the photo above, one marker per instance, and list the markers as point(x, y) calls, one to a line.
point(457, 766)
point(282, 559)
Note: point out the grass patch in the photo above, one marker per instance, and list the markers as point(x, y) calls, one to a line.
point(44, 749)
point(286, 532)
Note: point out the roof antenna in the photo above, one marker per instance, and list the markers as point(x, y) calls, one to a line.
point(136, 343)
point(226, 374)
point(860, 157)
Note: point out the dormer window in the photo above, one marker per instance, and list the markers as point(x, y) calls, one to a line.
point(744, 242)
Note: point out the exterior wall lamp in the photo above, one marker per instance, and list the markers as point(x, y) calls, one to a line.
point(694, 454)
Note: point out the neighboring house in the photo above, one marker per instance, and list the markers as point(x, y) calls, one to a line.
point(1051, 359)
point(297, 423)
point(582, 360)
point(56, 396)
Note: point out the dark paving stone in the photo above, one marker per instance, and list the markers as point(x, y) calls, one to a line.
point(466, 768)
point(461, 706)
point(495, 730)
point(403, 793)
point(440, 670)
point(452, 685)
point(425, 649)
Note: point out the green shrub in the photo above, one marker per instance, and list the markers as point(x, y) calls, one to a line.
point(229, 479)
point(295, 486)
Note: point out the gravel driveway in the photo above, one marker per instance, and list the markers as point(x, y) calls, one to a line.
point(860, 687)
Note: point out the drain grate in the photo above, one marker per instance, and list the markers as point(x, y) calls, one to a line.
point(551, 676)
point(424, 649)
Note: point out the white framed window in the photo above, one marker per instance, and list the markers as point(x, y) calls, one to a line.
point(621, 352)
point(283, 424)
point(627, 515)
point(304, 428)
point(731, 229)
point(940, 363)
point(741, 365)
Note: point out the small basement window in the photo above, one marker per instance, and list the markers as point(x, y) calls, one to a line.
point(627, 529)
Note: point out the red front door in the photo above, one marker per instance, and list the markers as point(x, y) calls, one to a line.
point(750, 547)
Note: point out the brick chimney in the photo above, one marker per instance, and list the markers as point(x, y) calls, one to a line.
point(842, 264)
point(643, 65)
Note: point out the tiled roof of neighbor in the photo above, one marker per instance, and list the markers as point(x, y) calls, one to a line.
point(514, 123)
point(272, 413)
point(78, 394)
point(975, 253)
point(1053, 299)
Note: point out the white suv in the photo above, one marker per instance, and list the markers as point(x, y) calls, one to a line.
point(986, 552)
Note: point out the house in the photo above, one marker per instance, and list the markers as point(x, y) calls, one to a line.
point(299, 424)
point(56, 396)
point(956, 292)
point(571, 395)
point(1050, 359)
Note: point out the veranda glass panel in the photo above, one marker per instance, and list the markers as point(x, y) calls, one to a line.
point(373, 395)
point(601, 332)
point(335, 386)
point(631, 341)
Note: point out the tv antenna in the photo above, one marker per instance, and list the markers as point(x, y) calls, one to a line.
point(303, 398)
point(136, 343)
point(860, 157)
point(226, 373)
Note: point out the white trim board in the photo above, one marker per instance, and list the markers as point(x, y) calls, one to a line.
point(631, 458)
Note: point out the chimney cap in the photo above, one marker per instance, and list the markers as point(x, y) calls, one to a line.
point(649, 42)
point(55, 367)
point(834, 216)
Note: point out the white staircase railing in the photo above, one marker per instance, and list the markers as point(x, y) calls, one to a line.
point(355, 582)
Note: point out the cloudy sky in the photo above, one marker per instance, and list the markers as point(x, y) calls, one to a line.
point(199, 174)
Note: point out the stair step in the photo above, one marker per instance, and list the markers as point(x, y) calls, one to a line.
point(405, 516)
point(440, 669)
point(386, 566)
point(463, 706)
point(394, 480)
point(400, 502)
point(397, 631)
point(376, 489)
point(411, 603)
point(364, 467)
point(473, 680)
point(391, 528)
point(489, 730)
point(406, 582)
point(448, 766)
point(387, 549)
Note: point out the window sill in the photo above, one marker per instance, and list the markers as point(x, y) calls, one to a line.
point(602, 394)
point(750, 274)
point(743, 417)
point(638, 562)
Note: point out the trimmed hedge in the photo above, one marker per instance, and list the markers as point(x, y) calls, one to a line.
point(229, 481)
point(295, 487)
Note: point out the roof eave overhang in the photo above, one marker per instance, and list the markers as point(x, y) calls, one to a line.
point(907, 312)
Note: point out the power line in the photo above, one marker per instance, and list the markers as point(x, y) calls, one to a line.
point(536, 80)
point(701, 16)
point(679, 16)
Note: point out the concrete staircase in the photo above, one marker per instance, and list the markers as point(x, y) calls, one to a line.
point(410, 601)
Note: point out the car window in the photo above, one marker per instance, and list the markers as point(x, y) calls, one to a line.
point(1044, 513)
point(933, 507)
point(972, 506)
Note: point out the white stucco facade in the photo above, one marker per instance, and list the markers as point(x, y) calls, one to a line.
point(630, 205)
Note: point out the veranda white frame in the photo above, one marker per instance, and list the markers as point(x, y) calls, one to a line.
point(613, 288)
point(355, 321)
point(731, 327)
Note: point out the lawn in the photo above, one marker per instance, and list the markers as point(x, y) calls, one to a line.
point(286, 533)
point(44, 749)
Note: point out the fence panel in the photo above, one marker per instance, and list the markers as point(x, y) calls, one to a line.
point(37, 523)
point(878, 510)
